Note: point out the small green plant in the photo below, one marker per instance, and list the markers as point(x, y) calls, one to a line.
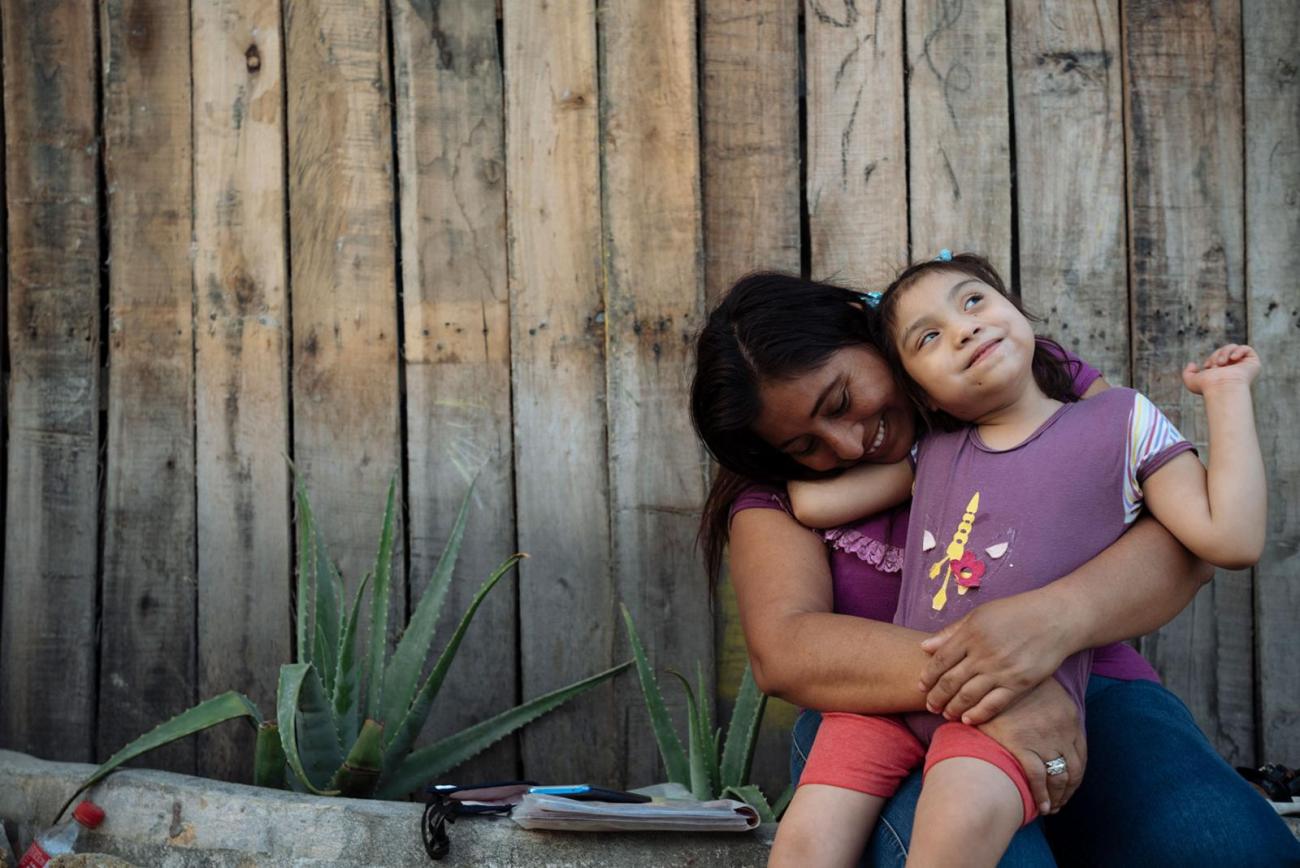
point(333, 736)
point(709, 768)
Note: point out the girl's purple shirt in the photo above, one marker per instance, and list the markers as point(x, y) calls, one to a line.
point(866, 560)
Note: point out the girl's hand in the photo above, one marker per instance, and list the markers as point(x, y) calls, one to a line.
point(1232, 364)
point(1044, 725)
point(983, 663)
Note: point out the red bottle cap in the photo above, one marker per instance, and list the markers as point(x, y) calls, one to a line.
point(88, 814)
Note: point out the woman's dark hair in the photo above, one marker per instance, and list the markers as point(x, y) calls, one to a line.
point(1053, 371)
point(768, 327)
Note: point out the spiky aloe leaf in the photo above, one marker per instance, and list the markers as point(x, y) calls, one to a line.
point(742, 733)
point(783, 801)
point(426, 764)
point(670, 746)
point(359, 773)
point(319, 654)
point(346, 691)
point(413, 720)
point(402, 674)
point(268, 757)
point(752, 796)
point(303, 598)
point(707, 728)
point(307, 730)
point(379, 608)
point(698, 747)
point(329, 596)
point(206, 714)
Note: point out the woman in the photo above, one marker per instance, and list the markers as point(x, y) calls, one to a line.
point(790, 385)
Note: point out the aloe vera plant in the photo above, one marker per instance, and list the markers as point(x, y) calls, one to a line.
point(345, 723)
point(709, 767)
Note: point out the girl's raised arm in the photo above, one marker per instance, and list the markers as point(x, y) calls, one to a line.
point(1219, 515)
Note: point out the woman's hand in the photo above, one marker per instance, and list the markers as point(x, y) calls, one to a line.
point(983, 663)
point(1042, 726)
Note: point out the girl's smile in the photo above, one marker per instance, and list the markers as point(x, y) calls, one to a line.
point(983, 350)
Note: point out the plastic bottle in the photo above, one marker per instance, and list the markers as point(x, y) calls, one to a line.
point(63, 837)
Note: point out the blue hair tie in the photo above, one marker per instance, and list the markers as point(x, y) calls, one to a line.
point(945, 255)
point(871, 299)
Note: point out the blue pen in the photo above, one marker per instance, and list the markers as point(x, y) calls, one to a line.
point(586, 792)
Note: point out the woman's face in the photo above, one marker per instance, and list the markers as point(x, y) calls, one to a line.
point(847, 411)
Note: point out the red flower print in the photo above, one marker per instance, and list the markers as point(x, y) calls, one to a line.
point(969, 570)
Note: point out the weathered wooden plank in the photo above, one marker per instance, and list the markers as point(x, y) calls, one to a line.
point(958, 135)
point(147, 650)
point(1185, 156)
point(750, 124)
point(1069, 127)
point(857, 132)
point(567, 608)
point(4, 365)
point(451, 155)
point(346, 422)
point(749, 72)
point(241, 365)
point(51, 525)
point(655, 293)
point(1272, 33)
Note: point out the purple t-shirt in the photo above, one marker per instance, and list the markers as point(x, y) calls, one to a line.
point(991, 523)
point(866, 562)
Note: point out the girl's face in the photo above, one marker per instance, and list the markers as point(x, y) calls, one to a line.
point(964, 343)
point(847, 411)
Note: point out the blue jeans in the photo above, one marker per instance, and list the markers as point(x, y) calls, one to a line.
point(1155, 793)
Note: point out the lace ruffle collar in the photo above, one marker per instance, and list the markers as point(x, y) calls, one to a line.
point(883, 556)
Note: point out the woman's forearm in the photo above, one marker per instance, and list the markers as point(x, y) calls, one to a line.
point(983, 662)
point(1132, 588)
point(801, 651)
point(840, 663)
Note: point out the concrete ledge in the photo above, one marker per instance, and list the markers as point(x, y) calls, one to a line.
point(178, 821)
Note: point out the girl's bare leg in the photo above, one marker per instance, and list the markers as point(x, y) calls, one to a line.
point(967, 814)
point(824, 826)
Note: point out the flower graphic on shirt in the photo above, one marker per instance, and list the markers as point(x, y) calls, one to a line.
point(967, 569)
point(955, 553)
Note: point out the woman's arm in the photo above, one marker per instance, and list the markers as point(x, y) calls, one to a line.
point(799, 649)
point(859, 491)
point(981, 663)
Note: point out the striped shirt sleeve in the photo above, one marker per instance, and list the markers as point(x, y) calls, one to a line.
point(1152, 441)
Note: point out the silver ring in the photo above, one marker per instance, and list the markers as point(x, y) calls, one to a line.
point(1056, 766)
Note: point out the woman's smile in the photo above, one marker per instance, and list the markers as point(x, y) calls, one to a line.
point(878, 439)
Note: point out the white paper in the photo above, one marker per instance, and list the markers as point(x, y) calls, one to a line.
point(537, 811)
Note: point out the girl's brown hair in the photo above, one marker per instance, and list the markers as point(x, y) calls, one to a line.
point(1053, 370)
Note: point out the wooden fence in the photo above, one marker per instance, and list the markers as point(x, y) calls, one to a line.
point(425, 240)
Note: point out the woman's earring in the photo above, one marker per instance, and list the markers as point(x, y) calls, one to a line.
point(871, 299)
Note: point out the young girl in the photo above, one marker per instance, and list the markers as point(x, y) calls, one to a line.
point(1017, 485)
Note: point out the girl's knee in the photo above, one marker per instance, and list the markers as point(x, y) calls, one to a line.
point(971, 793)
